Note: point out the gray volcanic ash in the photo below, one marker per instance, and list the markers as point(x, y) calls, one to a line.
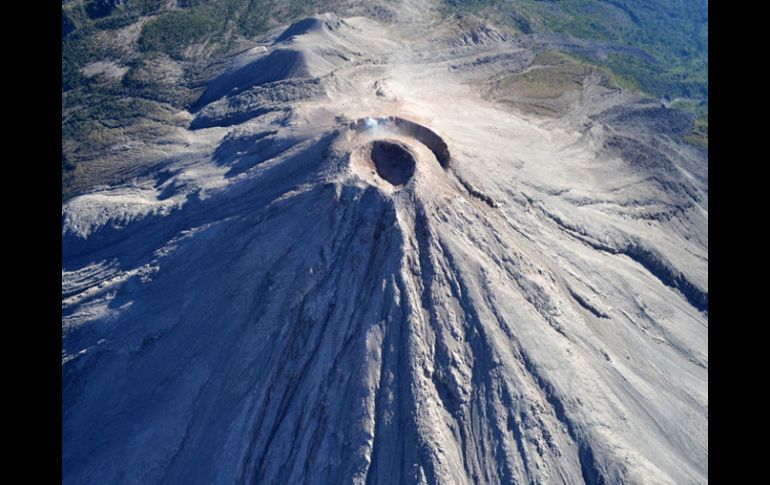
point(358, 266)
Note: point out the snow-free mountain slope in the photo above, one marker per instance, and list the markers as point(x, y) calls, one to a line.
point(358, 265)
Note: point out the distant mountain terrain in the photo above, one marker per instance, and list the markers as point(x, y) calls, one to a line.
point(395, 242)
point(129, 65)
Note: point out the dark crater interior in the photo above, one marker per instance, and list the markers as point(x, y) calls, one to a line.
point(393, 161)
point(401, 126)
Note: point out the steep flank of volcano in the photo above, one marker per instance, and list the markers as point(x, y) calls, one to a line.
point(354, 262)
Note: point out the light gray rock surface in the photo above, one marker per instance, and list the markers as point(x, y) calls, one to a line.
point(267, 308)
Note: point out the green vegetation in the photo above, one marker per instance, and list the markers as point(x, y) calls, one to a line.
point(554, 75)
point(146, 7)
point(80, 48)
point(673, 34)
point(218, 21)
point(700, 109)
point(541, 88)
point(99, 111)
point(98, 8)
point(95, 106)
point(175, 31)
point(700, 131)
point(700, 134)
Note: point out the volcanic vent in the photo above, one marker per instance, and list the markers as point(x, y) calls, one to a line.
point(307, 295)
point(392, 160)
point(394, 125)
point(388, 151)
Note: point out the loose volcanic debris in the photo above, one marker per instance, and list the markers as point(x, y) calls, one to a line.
point(325, 283)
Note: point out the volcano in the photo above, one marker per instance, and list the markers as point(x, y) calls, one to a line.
point(357, 265)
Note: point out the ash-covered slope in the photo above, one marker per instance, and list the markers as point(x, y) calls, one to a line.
point(360, 268)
